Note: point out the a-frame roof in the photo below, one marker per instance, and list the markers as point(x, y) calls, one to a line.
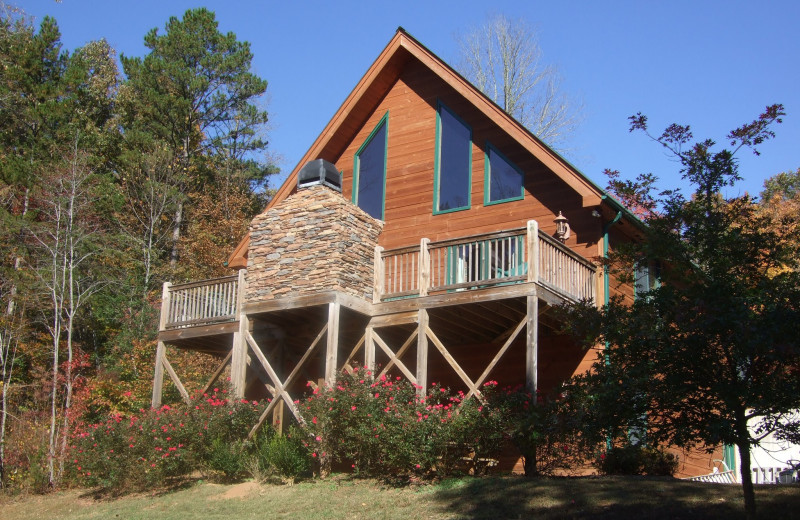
point(376, 82)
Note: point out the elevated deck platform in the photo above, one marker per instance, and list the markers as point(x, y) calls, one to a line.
point(463, 309)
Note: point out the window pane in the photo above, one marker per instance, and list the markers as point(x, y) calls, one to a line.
point(454, 162)
point(505, 181)
point(371, 174)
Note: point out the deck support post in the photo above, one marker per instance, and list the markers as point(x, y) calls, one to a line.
point(239, 346)
point(332, 350)
point(378, 275)
point(532, 338)
point(422, 352)
point(532, 345)
point(158, 376)
point(369, 349)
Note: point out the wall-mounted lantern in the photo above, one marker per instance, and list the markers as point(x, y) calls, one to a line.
point(562, 227)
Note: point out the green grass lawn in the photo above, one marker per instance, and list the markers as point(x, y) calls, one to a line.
point(468, 498)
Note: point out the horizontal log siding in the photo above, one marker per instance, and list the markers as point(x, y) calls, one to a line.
point(411, 104)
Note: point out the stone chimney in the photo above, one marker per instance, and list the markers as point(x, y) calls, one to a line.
point(313, 241)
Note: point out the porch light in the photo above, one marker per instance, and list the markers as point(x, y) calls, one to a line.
point(562, 227)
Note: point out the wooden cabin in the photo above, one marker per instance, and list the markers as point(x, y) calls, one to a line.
point(419, 235)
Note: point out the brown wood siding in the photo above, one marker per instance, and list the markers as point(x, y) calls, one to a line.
point(412, 104)
point(617, 287)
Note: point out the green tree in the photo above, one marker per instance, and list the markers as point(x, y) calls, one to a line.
point(714, 347)
point(195, 93)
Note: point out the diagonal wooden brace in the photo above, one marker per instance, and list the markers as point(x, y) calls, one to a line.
point(217, 373)
point(452, 362)
point(393, 358)
point(278, 389)
point(499, 355)
point(175, 378)
point(400, 352)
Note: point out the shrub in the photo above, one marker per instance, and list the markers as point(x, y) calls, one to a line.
point(547, 431)
point(637, 460)
point(286, 456)
point(227, 457)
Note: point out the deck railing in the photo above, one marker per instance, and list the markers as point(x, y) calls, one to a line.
point(481, 261)
point(201, 303)
point(462, 264)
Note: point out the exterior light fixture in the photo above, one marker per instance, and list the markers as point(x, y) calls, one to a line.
point(562, 227)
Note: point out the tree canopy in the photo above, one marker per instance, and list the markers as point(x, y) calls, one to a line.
point(104, 177)
point(711, 355)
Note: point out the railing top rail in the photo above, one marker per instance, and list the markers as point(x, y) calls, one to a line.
point(478, 237)
point(456, 241)
point(200, 283)
point(567, 251)
point(400, 251)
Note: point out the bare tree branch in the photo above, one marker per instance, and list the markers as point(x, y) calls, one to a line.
point(502, 58)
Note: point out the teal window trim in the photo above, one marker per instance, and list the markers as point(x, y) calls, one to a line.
point(487, 176)
point(384, 121)
point(437, 161)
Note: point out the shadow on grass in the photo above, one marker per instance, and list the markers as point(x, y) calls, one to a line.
point(610, 498)
point(171, 486)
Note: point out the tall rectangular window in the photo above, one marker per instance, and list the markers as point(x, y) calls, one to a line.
point(369, 171)
point(646, 278)
point(503, 181)
point(453, 163)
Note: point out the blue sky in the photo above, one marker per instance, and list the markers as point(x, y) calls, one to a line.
point(712, 64)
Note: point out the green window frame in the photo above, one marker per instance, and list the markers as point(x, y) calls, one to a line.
point(506, 174)
point(371, 157)
point(452, 179)
point(646, 278)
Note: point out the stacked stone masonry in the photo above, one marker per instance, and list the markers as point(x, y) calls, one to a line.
point(314, 241)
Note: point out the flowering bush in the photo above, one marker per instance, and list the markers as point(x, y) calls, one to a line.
point(140, 451)
point(381, 426)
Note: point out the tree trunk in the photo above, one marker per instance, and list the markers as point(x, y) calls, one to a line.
point(743, 443)
point(12, 296)
point(176, 235)
point(529, 464)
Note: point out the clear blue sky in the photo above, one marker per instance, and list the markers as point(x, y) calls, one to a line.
point(711, 64)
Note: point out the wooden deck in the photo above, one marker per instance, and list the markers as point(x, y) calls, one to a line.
point(458, 306)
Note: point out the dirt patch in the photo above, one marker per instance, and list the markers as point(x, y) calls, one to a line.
point(242, 490)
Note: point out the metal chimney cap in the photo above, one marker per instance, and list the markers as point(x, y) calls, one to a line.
point(322, 172)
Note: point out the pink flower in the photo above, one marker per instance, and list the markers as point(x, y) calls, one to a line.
point(353, 408)
point(314, 420)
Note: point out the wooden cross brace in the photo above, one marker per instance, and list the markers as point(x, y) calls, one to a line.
point(473, 389)
point(499, 355)
point(395, 358)
point(175, 378)
point(279, 392)
point(217, 373)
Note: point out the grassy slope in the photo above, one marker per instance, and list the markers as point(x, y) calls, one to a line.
point(495, 498)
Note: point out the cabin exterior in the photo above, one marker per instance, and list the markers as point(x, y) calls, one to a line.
point(429, 236)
